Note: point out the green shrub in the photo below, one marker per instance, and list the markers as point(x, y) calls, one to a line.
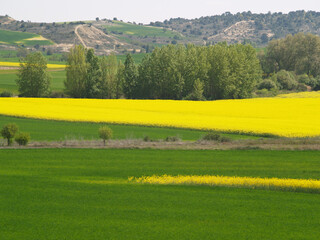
point(302, 87)
point(6, 94)
point(213, 136)
point(147, 139)
point(105, 133)
point(9, 131)
point(267, 84)
point(22, 138)
point(172, 139)
point(286, 80)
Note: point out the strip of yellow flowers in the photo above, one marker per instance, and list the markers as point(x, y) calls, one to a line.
point(16, 64)
point(300, 185)
point(288, 117)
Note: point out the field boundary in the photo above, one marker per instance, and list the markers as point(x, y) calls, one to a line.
point(243, 144)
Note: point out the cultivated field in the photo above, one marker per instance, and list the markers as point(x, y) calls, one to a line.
point(288, 117)
point(138, 30)
point(8, 80)
point(86, 194)
point(25, 38)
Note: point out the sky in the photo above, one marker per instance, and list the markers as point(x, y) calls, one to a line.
point(142, 11)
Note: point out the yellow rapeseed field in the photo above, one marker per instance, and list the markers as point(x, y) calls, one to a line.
point(313, 94)
point(305, 185)
point(16, 64)
point(289, 117)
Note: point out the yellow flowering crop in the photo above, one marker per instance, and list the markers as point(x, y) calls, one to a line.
point(305, 185)
point(290, 117)
point(313, 94)
point(16, 64)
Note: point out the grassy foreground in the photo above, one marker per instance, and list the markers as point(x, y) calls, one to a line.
point(52, 194)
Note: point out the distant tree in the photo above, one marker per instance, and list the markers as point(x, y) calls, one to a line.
point(197, 93)
point(9, 131)
point(108, 83)
point(22, 52)
point(75, 84)
point(97, 19)
point(264, 38)
point(130, 77)
point(33, 78)
point(93, 74)
point(105, 133)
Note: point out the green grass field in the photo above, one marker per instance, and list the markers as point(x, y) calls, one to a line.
point(51, 194)
point(18, 38)
point(45, 130)
point(8, 80)
point(138, 30)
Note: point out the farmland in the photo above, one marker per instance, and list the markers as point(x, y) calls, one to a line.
point(85, 194)
point(8, 80)
point(18, 38)
point(138, 30)
point(288, 117)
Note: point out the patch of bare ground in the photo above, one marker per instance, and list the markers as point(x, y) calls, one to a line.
point(266, 144)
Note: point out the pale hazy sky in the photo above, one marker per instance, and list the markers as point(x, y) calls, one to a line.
point(142, 10)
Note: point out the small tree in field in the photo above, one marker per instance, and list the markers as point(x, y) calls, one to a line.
point(33, 77)
point(22, 138)
point(105, 133)
point(9, 131)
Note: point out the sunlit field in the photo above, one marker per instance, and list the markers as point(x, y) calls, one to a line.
point(85, 194)
point(288, 117)
point(16, 64)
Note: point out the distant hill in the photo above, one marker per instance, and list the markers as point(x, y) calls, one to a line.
point(113, 36)
point(246, 26)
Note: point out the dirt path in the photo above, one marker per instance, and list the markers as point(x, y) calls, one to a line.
point(78, 35)
point(266, 144)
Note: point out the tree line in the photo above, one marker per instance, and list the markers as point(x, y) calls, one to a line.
point(189, 72)
point(170, 72)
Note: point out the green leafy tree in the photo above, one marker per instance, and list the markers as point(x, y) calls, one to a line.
point(197, 93)
point(105, 133)
point(75, 84)
point(33, 78)
point(9, 131)
point(108, 83)
point(93, 74)
point(130, 77)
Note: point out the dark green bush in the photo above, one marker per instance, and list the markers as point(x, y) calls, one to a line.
point(213, 136)
point(267, 84)
point(172, 139)
point(286, 80)
point(22, 138)
point(147, 139)
point(6, 94)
